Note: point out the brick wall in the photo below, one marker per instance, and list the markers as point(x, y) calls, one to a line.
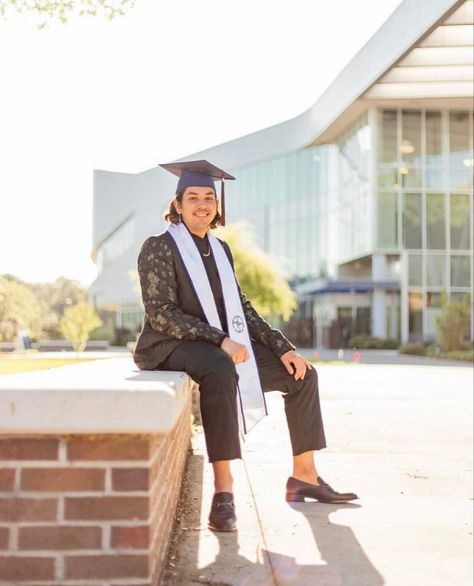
point(89, 509)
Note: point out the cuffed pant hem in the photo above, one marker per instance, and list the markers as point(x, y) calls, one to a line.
point(218, 458)
point(308, 449)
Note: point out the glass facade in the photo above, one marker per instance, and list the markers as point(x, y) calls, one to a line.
point(398, 180)
point(425, 204)
point(353, 194)
point(286, 200)
point(310, 208)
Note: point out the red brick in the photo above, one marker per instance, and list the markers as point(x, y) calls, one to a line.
point(108, 448)
point(28, 509)
point(7, 478)
point(59, 538)
point(25, 448)
point(62, 479)
point(106, 507)
point(26, 568)
point(106, 566)
point(4, 537)
point(130, 478)
point(131, 537)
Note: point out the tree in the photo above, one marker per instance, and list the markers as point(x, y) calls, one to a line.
point(63, 9)
point(19, 308)
point(259, 276)
point(54, 298)
point(77, 323)
point(453, 323)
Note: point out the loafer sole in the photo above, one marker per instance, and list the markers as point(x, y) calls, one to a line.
point(299, 498)
point(214, 528)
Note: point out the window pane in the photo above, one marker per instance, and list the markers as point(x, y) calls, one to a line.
point(459, 178)
point(415, 319)
point(433, 299)
point(388, 136)
point(415, 273)
point(433, 139)
point(435, 221)
point(435, 178)
point(387, 220)
point(412, 220)
point(458, 297)
point(433, 309)
point(388, 177)
point(458, 138)
point(410, 177)
point(459, 219)
point(410, 147)
point(460, 270)
point(436, 270)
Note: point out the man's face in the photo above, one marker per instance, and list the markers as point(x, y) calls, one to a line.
point(198, 208)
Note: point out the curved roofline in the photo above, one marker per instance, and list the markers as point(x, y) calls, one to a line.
point(411, 20)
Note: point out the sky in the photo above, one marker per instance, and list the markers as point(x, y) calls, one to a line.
point(170, 78)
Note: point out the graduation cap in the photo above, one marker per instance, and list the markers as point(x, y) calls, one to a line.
point(199, 174)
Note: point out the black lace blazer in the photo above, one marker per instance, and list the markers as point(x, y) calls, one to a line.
point(173, 312)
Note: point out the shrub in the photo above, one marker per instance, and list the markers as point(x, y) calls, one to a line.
point(414, 348)
point(364, 341)
point(453, 323)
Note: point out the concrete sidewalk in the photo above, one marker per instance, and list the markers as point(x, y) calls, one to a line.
point(399, 436)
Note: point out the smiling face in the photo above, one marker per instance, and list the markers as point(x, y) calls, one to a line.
point(197, 208)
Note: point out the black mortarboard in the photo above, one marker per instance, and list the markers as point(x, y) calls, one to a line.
point(199, 174)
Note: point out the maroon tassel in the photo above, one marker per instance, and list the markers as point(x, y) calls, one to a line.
point(222, 221)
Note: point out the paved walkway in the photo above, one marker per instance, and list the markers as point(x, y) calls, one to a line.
point(314, 354)
point(399, 436)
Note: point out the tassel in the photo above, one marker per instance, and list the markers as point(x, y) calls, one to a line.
point(222, 222)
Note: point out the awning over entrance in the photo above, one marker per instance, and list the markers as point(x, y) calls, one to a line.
point(322, 286)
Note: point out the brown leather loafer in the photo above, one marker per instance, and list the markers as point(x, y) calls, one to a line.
point(297, 490)
point(222, 516)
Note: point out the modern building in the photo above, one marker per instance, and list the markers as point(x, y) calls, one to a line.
point(365, 200)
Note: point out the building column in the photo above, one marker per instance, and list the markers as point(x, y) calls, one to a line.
point(379, 301)
point(404, 309)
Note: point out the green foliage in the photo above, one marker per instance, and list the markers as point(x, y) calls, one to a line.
point(414, 348)
point(54, 298)
point(466, 353)
point(364, 341)
point(19, 308)
point(62, 10)
point(77, 323)
point(259, 277)
point(107, 330)
point(453, 323)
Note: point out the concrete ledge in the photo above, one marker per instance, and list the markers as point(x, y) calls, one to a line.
point(104, 396)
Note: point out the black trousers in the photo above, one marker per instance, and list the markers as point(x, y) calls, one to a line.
point(215, 372)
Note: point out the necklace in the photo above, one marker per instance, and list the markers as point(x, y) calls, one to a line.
point(208, 252)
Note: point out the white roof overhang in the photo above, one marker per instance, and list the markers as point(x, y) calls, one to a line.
point(399, 61)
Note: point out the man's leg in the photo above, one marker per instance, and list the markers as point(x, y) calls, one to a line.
point(214, 371)
point(302, 409)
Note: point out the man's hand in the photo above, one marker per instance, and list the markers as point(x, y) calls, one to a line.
point(238, 352)
point(300, 363)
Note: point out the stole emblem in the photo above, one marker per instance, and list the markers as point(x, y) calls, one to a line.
point(237, 323)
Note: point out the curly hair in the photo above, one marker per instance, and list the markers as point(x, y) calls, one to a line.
point(172, 215)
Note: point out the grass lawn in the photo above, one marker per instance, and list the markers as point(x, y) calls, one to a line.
point(15, 365)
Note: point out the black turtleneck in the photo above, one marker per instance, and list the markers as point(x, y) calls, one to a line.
point(204, 246)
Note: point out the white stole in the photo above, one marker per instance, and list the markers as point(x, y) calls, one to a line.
point(249, 390)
